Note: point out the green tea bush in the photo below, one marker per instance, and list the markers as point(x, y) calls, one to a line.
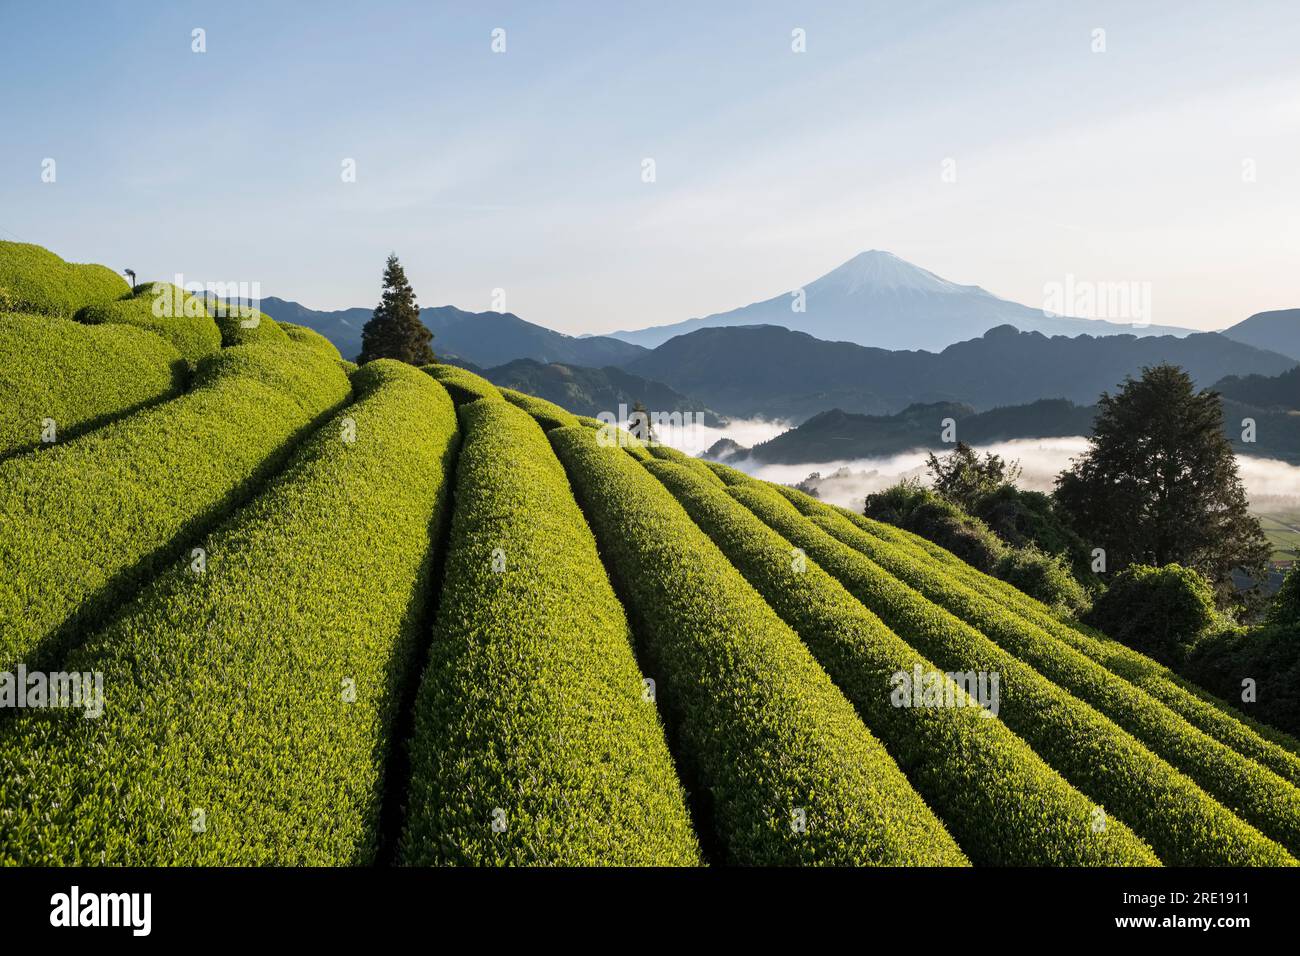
point(76, 377)
point(33, 279)
point(548, 414)
point(1264, 744)
point(532, 713)
point(1255, 793)
point(463, 384)
point(695, 465)
point(728, 475)
point(310, 338)
point(1003, 804)
point(784, 768)
point(615, 437)
point(261, 693)
point(188, 327)
point(84, 523)
point(1182, 823)
point(244, 325)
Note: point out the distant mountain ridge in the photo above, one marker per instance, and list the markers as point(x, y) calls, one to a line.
point(1272, 402)
point(1278, 331)
point(485, 338)
point(877, 299)
point(777, 373)
point(837, 435)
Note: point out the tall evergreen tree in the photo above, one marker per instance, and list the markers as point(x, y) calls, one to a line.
point(1160, 485)
point(395, 330)
point(639, 424)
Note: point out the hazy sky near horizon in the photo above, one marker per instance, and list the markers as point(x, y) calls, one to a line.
point(522, 170)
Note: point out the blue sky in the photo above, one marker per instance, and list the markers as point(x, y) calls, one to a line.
point(522, 170)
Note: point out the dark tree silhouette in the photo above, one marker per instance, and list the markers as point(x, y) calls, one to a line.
point(395, 330)
point(1160, 485)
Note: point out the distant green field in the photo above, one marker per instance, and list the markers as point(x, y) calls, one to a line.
point(1282, 528)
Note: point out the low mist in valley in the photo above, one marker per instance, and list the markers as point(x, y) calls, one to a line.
point(1273, 486)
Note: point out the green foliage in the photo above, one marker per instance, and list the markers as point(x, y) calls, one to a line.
point(1023, 518)
point(310, 338)
point(965, 479)
point(1263, 662)
point(696, 465)
point(1045, 577)
point(923, 512)
point(77, 376)
point(976, 774)
point(1160, 485)
point(1162, 612)
point(761, 733)
point(1285, 609)
point(124, 500)
point(532, 710)
point(395, 331)
point(244, 325)
point(1256, 794)
point(274, 656)
point(548, 414)
point(1181, 822)
point(1261, 743)
point(181, 318)
point(33, 279)
point(463, 385)
point(729, 476)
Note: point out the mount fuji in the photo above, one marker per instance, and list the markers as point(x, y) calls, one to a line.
point(880, 300)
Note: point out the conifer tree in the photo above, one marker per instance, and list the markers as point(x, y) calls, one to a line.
point(395, 330)
point(1160, 485)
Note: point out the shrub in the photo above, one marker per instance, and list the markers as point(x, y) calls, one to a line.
point(189, 328)
point(76, 376)
point(922, 512)
point(548, 414)
point(1285, 609)
point(310, 338)
point(1268, 656)
point(463, 384)
point(262, 692)
point(767, 740)
point(1273, 749)
point(1022, 518)
point(84, 523)
point(532, 704)
point(1043, 576)
point(1182, 823)
point(1161, 612)
point(976, 774)
point(33, 279)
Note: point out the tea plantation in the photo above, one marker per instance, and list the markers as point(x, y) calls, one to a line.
point(395, 616)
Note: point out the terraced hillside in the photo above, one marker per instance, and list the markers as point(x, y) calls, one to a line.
point(387, 615)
